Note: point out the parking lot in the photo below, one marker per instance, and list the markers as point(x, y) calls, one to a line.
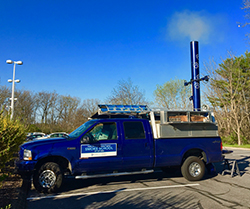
point(156, 190)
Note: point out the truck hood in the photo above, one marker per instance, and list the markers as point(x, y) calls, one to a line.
point(39, 142)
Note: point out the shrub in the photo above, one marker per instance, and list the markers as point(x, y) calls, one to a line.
point(12, 135)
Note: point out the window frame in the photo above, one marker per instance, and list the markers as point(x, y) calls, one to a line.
point(130, 122)
point(97, 124)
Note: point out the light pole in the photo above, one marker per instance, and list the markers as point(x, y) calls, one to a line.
point(13, 84)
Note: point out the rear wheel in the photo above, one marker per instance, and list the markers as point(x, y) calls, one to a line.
point(48, 178)
point(193, 168)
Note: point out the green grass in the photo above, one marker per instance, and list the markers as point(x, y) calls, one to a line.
point(236, 145)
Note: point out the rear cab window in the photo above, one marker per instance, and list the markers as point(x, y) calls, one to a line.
point(134, 130)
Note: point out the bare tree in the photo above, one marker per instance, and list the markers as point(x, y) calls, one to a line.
point(173, 95)
point(66, 110)
point(5, 94)
point(88, 108)
point(25, 106)
point(45, 102)
point(127, 94)
point(246, 8)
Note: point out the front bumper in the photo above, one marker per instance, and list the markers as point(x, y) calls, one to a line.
point(24, 167)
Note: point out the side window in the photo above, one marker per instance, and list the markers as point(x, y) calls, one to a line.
point(134, 130)
point(102, 131)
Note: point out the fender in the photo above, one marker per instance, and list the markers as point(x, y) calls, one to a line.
point(193, 146)
point(54, 155)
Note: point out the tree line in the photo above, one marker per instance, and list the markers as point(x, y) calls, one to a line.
point(50, 112)
point(227, 94)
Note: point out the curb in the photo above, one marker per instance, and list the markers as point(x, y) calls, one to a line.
point(21, 202)
point(236, 148)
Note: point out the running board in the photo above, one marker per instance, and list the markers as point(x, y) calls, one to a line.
point(113, 174)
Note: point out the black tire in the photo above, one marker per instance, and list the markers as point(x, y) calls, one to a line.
point(48, 178)
point(193, 168)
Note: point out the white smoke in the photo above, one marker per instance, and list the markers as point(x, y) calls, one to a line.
point(198, 26)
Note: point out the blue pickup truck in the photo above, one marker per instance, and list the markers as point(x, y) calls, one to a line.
point(124, 140)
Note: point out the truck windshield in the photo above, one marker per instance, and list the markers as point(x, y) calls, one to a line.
point(80, 130)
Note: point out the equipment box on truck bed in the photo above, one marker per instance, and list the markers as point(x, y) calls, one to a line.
point(184, 124)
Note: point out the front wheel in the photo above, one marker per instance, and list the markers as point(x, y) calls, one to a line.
point(193, 168)
point(48, 178)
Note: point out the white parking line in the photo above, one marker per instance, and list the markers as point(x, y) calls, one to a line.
point(114, 191)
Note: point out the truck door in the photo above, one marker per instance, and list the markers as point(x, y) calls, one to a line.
point(100, 149)
point(137, 146)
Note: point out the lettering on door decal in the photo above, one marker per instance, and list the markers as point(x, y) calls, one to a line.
point(100, 150)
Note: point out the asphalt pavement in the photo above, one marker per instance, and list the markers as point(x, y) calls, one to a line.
point(156, 190)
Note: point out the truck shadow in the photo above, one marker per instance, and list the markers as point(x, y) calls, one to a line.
point(73, 184)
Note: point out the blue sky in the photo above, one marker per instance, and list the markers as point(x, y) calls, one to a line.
point(83, 48)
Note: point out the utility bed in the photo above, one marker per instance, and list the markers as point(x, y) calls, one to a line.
point(169, 124)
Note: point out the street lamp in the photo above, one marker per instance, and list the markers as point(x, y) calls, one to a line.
point(13, 81)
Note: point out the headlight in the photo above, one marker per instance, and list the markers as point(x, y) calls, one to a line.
point(27, 155)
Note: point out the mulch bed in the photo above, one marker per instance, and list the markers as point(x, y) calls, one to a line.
point(9, 191)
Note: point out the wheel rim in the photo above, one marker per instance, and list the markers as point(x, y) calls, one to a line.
point(194, 169)
point(47, 179)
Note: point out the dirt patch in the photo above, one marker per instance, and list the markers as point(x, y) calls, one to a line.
point(9, 190)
